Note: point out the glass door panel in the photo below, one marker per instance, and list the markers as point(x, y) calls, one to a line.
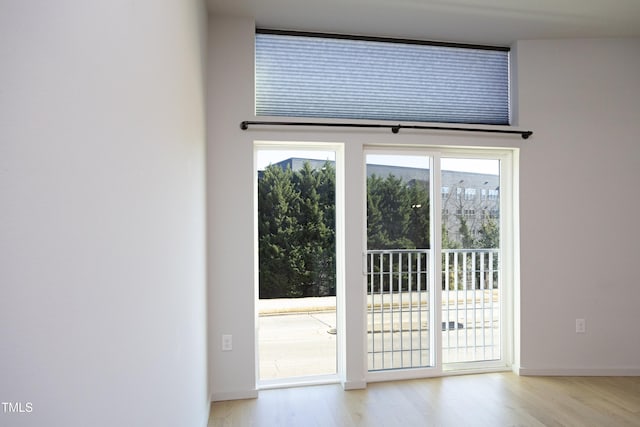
point(471, 282)
point(296, 218)
point(398, 262)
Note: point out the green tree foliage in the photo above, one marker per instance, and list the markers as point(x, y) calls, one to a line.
point(315, 239)
point(488, 235)
point(296, 228)
point(447, 243)
point(277, 199)
point(326, 263)
point(397, 218)
point(397, 213)
point(418, 225)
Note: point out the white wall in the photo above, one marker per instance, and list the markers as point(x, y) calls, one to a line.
point(102, 225)
point(230, 208)
point(579, 203)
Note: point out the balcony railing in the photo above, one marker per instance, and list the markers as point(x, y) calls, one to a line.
point(400, 301)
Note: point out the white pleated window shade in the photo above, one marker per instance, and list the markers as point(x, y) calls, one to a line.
point(310, 76)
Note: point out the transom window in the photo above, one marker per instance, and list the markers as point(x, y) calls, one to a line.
point(332, 76)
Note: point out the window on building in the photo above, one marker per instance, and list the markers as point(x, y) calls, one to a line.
point(469, 193)
point(331, 76)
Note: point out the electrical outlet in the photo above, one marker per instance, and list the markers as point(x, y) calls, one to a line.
point(227, 342)
point(581, 326)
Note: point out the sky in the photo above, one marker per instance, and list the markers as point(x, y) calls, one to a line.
point(486, 166)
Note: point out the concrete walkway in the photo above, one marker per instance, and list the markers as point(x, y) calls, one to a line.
point(295, 305)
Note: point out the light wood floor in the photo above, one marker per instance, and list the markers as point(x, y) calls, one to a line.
point(502, 399)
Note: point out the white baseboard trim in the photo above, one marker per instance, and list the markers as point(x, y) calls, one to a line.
point(354, 385)
point(234, 395)
point(580, 372)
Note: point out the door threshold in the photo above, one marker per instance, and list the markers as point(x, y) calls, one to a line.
point(298, 382)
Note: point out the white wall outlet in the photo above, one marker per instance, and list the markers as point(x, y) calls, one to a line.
point(581, 326)
point(227, 342)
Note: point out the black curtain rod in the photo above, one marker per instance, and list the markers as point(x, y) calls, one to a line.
point(381, 39)
point(525, 134)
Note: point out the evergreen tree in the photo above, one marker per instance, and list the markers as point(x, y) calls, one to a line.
point(388, 211)
point(296, 226)
point(311, 234)
point(327, 192)
point(418, 221)
point(276, 230)
point(376, 235)
point(395, 208)
point(326, 264)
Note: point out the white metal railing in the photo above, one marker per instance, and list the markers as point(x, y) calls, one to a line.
point(470, 305)
point(398, 308)
point(399, 301)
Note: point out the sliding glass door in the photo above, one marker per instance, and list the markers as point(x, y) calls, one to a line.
point(471, 260)
point(435, 260)
point(399, 297)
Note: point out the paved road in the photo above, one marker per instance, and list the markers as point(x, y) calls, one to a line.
point(297, 345)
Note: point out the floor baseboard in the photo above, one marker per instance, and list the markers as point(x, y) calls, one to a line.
point(580, 372)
